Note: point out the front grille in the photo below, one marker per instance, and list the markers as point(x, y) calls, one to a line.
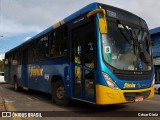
point(130, 96)
point(133, 77)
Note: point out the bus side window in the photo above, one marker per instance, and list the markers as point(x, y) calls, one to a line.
point(15, 58)
point(19, 58)
point(58, 40)
point(43, 49)
point(6, 61)
point(54, 52)
point(63, 43)
point(32, 56)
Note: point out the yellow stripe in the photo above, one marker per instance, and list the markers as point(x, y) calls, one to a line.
point(10, 107)
point(56, 25)
point(62, 22)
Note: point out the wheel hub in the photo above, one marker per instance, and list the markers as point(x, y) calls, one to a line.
point(60, 92)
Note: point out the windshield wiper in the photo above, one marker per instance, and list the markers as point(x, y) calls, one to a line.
point(123, 34)
point(128, 33)
point(144, 55)
point(131, 38)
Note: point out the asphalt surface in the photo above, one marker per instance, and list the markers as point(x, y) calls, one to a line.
point(33, 101)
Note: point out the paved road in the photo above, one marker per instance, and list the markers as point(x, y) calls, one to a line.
point(38, 101)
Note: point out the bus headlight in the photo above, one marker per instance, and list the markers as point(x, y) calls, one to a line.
point(109, 81)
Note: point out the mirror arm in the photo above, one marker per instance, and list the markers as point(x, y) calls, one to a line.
point(96, 11)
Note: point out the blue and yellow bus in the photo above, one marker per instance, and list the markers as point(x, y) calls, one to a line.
point(100, 54)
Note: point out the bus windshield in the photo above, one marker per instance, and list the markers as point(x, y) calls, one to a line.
point(126, 47)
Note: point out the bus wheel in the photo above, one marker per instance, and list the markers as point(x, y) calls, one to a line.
point(16, 87)
point(58, 94)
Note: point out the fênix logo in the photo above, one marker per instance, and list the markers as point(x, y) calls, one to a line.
point(128, 85)
point(36, 71)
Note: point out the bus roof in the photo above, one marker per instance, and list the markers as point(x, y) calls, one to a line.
point(80, 12)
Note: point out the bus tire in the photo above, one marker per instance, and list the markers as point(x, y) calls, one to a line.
point(16, 86)
point(58, 94)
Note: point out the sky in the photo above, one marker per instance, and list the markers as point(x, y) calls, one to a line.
point(22, 19)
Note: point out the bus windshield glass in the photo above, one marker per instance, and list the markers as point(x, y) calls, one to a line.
point(126, 47)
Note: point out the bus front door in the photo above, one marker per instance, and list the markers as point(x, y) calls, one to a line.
point(83, 57)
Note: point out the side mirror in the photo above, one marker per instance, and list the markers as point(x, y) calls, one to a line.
point(103, 26)
point(102, 21)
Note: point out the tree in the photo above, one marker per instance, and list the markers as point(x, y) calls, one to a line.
point(2, 65)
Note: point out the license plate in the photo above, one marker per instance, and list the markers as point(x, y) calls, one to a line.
point(138, 98)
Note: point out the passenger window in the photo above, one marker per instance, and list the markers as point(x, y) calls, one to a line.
point(59, 42)
point(54, 52)
point(32, 56)
point(15, 58)
point(43, 49)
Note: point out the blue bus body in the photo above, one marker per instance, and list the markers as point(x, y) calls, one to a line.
point(38, 76)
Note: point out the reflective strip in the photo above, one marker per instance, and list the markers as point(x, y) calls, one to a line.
point(62, 22)
point(56, 25)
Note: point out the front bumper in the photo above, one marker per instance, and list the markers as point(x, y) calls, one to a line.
point(106, 95)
